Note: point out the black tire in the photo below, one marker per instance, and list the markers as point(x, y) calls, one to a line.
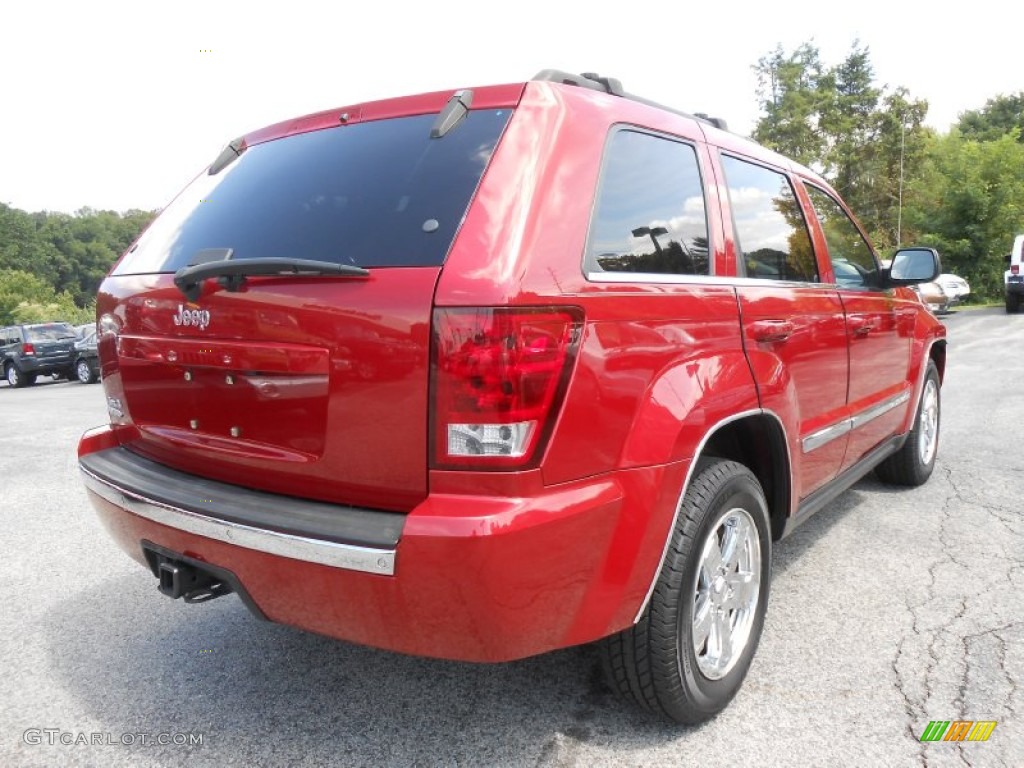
point(17, 379)
point(1012, 303)
point(84, 372)
point(912, 464)
point(654, 663)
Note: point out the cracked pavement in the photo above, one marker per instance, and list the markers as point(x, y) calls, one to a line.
point(889, 608)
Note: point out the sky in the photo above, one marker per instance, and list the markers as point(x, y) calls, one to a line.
point(117, 105)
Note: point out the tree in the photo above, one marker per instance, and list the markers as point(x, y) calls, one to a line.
point(26, 298)
point(69, 253)
point(848, 107)
point(836, 120)
point(968, 202)
point(790, 93)
point(17, 287)
point(1000, 116)
point(894, 154)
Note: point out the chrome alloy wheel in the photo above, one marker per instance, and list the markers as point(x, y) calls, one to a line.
point(725, 594)
point(928, 433)
point(84, 372)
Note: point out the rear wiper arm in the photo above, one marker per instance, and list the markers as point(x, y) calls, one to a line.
point(232, 272)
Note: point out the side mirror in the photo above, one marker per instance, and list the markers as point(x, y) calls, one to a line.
point(914, 265)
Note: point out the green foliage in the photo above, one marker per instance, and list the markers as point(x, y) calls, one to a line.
point(875, 173)
point(51, 263)
point(996, 119)
point(962, 193)
point(838, 122)
point(17, 287)
point(790, 91)
point(968, 202)
point(26, 298)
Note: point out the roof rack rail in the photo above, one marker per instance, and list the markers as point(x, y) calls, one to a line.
point(612, 86)
point(718, 122)
point(587, 80)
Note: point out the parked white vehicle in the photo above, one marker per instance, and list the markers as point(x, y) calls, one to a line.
point(1013, 278)
point(933, 296)
point(955, 287)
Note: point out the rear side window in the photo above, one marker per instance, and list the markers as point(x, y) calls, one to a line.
point(380, 193)
point(771, 233)
point(650, 216)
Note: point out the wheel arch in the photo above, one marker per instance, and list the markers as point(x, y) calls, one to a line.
point(756, 439)
point(933, 350)
point(937, 353)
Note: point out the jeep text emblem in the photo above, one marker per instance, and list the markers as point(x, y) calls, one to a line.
point(199, 318)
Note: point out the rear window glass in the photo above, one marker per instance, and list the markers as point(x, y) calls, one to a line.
point(373, 194)
point(49, 332)
point(650, 216)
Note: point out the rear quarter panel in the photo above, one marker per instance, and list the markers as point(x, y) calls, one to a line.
point(660, 362)
point(650, 349)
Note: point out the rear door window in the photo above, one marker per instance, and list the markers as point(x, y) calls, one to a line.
point(771, 233)
point(380, 193)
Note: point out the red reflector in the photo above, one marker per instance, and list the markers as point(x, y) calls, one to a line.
point(28, 348)
point(1014, 269)
point(499, 376)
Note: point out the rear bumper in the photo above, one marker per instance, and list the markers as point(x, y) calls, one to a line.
point(327, 534)
point(1015, 287)
point(33, 365)
point(468, 577)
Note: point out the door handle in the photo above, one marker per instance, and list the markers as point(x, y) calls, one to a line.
point(861, 325)
point(772, 330)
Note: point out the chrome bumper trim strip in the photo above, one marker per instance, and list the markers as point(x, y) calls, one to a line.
point(329, 553)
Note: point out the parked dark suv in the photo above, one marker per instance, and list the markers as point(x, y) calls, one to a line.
point(486, 373)
point(44, 349)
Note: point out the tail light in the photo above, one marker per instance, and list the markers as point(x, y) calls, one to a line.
point(1014, 269)
point(498, 379)
point(28, 348)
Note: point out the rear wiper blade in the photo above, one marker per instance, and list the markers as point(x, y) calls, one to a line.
point(232, 272)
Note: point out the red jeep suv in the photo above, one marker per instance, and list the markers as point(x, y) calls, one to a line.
point(481, 374)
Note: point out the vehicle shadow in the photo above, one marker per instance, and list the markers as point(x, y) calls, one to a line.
point(267, 694)
point(808, 534)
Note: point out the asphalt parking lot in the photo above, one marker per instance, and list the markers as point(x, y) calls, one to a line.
point(889, 608)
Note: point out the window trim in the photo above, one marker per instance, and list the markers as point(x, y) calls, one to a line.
point(740, 260)
point(663, 278)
